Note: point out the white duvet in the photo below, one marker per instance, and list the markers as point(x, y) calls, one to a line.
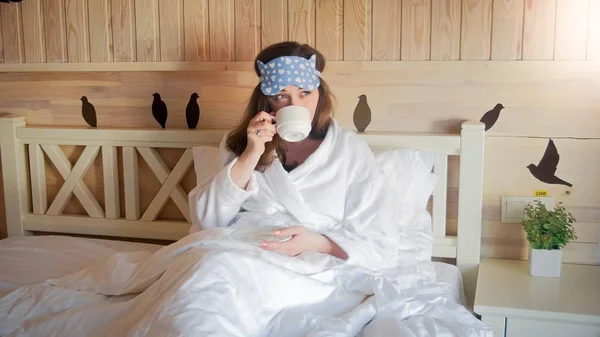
point(209, 284)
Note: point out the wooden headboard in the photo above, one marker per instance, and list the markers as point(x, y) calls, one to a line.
point(24, 150)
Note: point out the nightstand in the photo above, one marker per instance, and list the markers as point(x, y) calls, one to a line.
point(516, 304)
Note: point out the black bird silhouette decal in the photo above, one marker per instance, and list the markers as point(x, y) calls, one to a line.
point(159, 110)
point(545, 170)
point(490, 117)
point(362, 114)
point(88, 112)
point(192, 112)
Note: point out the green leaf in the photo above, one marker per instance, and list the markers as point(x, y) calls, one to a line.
point(548, 229)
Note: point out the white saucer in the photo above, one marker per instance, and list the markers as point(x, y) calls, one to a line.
point(258, 234)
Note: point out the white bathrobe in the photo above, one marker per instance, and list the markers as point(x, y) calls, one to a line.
point(339, 191)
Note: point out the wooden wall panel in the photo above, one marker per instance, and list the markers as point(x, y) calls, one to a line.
point(12, 33)
point(55, 30)
point(171, 30)
point(445, 30)
point(274, 21)
point(78, 39)
point(538, 30)
point(505, 174)
point(1, 42)
point(221, 28)
point(147, 30)
point(301, 21)
point(571, 29)
point(2, 204)
point(387, 30)
point(247, 29)
point(579, 253)
point(3, 233)
point(416, 24)
point(204, 30)
point(577, 165)
point(357, 30)
point(593, 43)
point(560, 97)
point(330, 29)
point(196, 30)
point(495, 229)
point(507, 29)
point(476, 30)
point(33, 31)
point(123, 30)
point(100, 30)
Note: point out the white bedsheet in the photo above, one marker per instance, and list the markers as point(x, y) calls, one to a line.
point(183, 286)
point(35, 259)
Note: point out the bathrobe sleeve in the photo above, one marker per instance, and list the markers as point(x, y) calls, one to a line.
point(217, 200)
point(368, 232)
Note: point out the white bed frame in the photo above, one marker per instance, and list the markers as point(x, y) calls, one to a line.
point(27, 210)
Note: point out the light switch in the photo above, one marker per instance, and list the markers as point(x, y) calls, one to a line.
point(513, 208)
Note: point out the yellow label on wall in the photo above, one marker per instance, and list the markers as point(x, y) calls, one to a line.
point(540, 193)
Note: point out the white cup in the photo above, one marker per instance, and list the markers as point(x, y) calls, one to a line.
point(293, 123)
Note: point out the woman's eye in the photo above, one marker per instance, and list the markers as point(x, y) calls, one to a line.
point(305, 93)
point(281, 97)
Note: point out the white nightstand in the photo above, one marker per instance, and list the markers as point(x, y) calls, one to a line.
point(516, 304)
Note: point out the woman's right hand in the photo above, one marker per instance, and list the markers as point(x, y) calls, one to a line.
point(256, 140)
point(242, 170)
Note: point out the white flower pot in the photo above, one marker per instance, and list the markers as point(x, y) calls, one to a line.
point(544, 262)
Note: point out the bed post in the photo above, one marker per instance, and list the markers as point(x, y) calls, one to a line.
point(14, 173)
point(470, 205)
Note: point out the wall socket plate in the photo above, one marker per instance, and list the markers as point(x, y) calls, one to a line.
point(513, 208)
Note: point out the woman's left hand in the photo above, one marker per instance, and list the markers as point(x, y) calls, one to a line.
point(302, 240)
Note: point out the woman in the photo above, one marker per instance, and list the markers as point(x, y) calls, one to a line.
point(325, 191)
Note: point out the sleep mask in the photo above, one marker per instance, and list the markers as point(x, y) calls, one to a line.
point(286, 70)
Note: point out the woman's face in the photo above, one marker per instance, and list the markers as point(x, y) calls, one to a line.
point(293, 95)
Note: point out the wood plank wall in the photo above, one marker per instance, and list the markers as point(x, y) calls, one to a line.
point(57, 31)
point(537, 57)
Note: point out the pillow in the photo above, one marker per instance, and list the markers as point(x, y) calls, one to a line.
point(412, 182)
point(209, 160)
point(410, 174)
point(205, 162)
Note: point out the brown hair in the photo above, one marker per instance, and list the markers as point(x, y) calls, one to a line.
point(238, 138)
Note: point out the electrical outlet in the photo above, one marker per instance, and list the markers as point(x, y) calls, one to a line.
point(513, 208)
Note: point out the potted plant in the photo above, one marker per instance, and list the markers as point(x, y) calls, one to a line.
point(548, 231)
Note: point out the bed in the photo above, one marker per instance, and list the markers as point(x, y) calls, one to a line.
point(29, 260)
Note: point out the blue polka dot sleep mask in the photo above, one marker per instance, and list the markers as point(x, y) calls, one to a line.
point(287, 70)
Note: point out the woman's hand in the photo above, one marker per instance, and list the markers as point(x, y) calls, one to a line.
point(303, 240)
point(260, 131)
point(242, 170)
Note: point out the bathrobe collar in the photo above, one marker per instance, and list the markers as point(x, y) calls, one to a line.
point(282, 182)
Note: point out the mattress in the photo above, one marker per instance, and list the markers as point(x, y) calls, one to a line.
point(34, 259)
